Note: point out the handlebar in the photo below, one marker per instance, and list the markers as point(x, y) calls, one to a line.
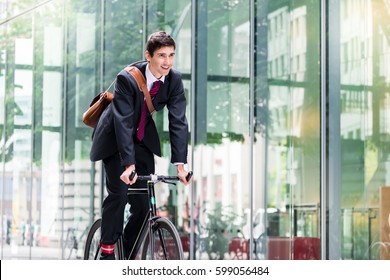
point(159, 178)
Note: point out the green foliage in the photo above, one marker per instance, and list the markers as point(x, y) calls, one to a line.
point(222, 224)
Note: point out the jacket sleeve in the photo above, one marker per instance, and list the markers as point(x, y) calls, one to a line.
point(123, 114)
point(178, 125)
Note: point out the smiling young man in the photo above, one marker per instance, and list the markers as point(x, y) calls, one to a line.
point(126, 138)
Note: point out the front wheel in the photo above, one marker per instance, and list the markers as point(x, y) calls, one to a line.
point(167, 243)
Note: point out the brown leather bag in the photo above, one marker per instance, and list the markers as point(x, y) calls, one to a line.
point(101, 101)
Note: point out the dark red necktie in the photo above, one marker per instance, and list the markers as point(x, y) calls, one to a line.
point(141, 126)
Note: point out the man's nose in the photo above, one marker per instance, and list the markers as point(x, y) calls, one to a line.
point(168, 60)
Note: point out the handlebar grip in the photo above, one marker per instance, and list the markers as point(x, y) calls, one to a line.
point(188, 177)
point(132, 174)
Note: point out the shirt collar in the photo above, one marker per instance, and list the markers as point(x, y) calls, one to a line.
point(150, 79)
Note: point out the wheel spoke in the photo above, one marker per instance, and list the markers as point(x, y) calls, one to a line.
point(167, 243)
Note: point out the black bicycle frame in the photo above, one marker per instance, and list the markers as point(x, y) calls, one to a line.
point(152, 215)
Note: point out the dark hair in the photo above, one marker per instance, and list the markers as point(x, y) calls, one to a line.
point(159, 39)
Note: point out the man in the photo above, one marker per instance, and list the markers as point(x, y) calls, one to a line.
point(126, 142)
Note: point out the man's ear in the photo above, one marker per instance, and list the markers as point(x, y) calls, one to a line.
point(148, 56)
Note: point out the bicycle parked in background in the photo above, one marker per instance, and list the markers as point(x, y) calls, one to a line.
point(158, 238)
point(73, 242)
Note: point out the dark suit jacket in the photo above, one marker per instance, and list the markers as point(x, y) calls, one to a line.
point(117, 127)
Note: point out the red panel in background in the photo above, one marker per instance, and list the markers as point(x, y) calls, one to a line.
point(304, 248)
point(307, 248)
point(279, 248)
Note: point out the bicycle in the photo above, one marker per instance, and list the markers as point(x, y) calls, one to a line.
point(158, 237)
point(72, 248)
point(71, 243)
point(75, 237)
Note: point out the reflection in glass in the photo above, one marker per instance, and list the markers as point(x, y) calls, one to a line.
point(55, 58)
point(364, 59)
point(288, 130)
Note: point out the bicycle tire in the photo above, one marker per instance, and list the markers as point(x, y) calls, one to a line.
point(92, 245)
point(92, 250)
point(170, 238)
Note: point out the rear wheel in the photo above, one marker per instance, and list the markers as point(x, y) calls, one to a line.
point(166, 240)
point(92, 249)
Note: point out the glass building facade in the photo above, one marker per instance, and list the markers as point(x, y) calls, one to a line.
point(289, 125)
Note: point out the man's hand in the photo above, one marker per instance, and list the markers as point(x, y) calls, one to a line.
point(125, 177)
point(182, 174)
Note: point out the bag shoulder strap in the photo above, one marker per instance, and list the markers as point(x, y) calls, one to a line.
point(140, 79)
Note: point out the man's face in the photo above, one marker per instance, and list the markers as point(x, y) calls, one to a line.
point(162, 61)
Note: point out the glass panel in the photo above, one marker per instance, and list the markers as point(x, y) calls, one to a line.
point(14, 8)
point(5, 186)
point(16, 175)
point(122, 46)
point(82, 83)
point(123, 39)
point(3, 78)
point(221, 163)
point(48, 112)
point(52, 99)
point(48, 184)
point(286, 224)
point(24, 51)
point(175, 18)
point(53, 44)
point(85, 63)
point(58, 199)
point(364, 64)
point(23, 97)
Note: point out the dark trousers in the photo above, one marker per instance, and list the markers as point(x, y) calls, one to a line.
point(114, 204)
